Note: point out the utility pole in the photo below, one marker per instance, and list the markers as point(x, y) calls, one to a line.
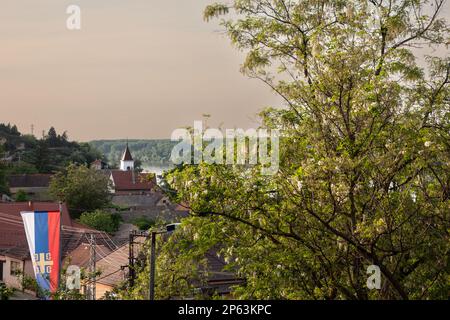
point(169, 229)
point(131, 258)
point(131, 271)
point(152, 256)
point(152, 266)
point(92, 267)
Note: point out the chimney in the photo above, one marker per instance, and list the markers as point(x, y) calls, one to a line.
point(133, 178)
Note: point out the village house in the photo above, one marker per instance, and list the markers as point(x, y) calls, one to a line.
point(114, 271)
point(34, 185)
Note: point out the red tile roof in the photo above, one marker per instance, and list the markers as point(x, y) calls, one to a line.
point(12, 234)
point(130, 180)
point(80, 256)
point(14, 209)
point(110, 266)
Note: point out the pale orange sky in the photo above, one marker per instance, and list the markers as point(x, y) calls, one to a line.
point(136, 69)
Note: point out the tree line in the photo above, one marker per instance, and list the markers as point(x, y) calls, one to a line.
point(51, 153)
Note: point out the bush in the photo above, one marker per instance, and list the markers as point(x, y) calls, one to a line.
point(100, 220)
point(21, 196)
point(5, 292)
point(143, 223)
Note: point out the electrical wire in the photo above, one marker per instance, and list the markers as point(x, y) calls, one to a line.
point(105, 276)
point(104, 255)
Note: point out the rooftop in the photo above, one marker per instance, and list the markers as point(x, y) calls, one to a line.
point(29, 180)
point(127, 155)
point(130, 180)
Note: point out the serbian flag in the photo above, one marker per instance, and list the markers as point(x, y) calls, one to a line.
point(43, 230)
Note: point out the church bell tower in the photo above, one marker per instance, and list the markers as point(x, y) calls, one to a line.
point(127, 162)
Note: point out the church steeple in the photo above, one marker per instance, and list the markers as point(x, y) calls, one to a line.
point(127, 162)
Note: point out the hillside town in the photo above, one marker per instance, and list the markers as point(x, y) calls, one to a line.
point(134, 196)
point(245, 154)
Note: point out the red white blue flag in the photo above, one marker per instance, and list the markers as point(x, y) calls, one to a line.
point(43, 230)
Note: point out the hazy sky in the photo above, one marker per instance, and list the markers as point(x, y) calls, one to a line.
point(136, 69)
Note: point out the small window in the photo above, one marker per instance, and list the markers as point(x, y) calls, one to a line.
point(15, 268)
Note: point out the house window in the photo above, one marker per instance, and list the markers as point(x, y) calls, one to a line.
point(15, 268)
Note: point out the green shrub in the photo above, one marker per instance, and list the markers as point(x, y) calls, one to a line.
point(143, 223)
point(100, 220)
point(21, 196)
point(5, 292)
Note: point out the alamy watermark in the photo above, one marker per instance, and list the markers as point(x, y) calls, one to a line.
point(73, 278)
point(73, 22)
point(374, 280)
point(236, 146)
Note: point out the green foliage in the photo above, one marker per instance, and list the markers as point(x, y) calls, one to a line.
point(21, 168)
point(138, 165)
point(143, 223)
point(21, 196)
point(63, 292)
point(364, 160)
point(51, 153)
point(83, 189)
point(110, 295)
point(5, 292)
point(27, 282)
point(100, 220)
point(215, 10)
point(9, 129)
point(147, 152)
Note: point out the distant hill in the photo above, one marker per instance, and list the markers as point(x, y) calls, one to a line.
point(27, 154)
point(149, 152)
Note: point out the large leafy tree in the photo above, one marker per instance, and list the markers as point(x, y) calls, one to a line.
point(364, 173)
point(83, 189)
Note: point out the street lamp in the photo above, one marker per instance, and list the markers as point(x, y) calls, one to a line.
point(169, 229)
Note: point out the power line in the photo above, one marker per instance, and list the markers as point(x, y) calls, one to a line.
point(110, 262)
point(104, 256)
point(109, 274)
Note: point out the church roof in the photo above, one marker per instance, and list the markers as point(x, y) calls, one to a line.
point(127, 155)
point(130, 180)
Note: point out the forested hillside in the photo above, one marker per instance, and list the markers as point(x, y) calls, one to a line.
point(149, 152)
point(26, 154)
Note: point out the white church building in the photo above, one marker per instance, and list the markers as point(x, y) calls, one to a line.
point(127, 162)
